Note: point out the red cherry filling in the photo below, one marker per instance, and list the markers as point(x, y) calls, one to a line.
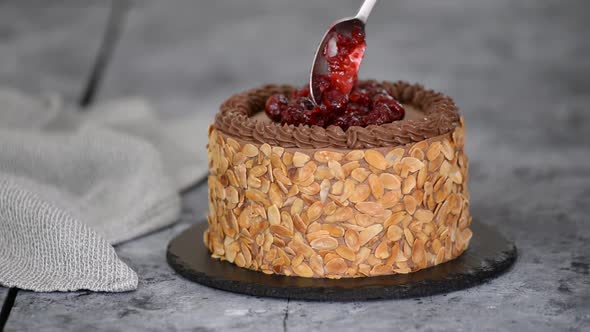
point(275, 105)
point(343, 54)
point(342, 102)
point(368, 104)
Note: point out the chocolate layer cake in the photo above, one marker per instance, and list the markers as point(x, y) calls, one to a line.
point(322, 202)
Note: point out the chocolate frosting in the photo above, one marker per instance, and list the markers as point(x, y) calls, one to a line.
point(440, 117)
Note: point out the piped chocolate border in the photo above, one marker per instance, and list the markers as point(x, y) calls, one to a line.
point(441, 117)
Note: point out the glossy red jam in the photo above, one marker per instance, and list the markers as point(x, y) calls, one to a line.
point(343, 54)
point(367, 104)
point(342, 102)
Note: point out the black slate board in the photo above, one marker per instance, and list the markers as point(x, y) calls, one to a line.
point(488, 256)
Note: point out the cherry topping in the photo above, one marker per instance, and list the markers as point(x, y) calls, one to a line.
point(343, 102)
point(343, 54)
point(275, 105)
point(368, 104)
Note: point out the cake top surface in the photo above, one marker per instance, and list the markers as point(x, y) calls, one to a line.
point(429, 114)
point(367, 103)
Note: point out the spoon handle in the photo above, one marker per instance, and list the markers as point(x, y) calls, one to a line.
point(365, 10)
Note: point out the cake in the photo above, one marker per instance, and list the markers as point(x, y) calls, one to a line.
point(329, 201)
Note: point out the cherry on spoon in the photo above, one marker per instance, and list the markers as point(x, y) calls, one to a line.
point(339, 55)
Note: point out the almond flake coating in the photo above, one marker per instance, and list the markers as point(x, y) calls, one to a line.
point(321, 213)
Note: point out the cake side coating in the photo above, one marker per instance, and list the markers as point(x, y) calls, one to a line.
point(333, 212)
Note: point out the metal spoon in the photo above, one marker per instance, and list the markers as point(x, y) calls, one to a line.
point(342, 26)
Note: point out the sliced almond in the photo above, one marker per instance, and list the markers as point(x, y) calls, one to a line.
point(421, 177)
point(346, 253)
point(299, 224)
point(362, 255)
point(375, 159)
point(297, 207)
point(382, 250)
point(335, 231)
point(445, 168)
point(264, 185)
point(394, 233)
point(370, 208)
point(258, 171)
point(312, 189)
point(275, 194)
point(293, 191)
point(410, 204)
point(395, 218)
point(317, 264)
point(238, 159)
point(323, 172)
point(394, 155)
point(390, 199)
point(342, 214)
point(287, 159)
point(413, 164)
point(360, 193)
point(376, 185)
point(433, 165)
point(369, 233)
point(336, 169)
point(364, 220)
point(330, 208)
point(380, 270)
point(305, 172)
point(281, 230)
point(336, 266)
point(277, 150)
point(231, 177)
point(390, 181)
point(417, 153)
point(281, 177)
point(249, 150)
point(433, 150)
point(257, 196)
point(351, 238)
point(418, 253)
point(299, 159)
point(337, 188)
point(424, 215)
point(233, 143)
point(360, 174)
point(231, 195)
point(315, 232)
point(455, 175)
point(355, 155)
point(324, 243)
point(315, 211)
point(448, 150)
point(301, 248)
point(324, 190)
point(349, 189)
point(303, 270)
point(274, 216)
point(349, 167)
point(240, 171)
point(326, 156)
point(409, 236)
point(409, 184)
point(244, 217)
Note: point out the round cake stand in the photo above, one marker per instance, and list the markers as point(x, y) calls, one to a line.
point(489, 255)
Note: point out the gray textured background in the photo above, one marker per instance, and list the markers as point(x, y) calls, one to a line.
point(519, 70)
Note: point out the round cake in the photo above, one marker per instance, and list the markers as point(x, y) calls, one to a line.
point(317, 202)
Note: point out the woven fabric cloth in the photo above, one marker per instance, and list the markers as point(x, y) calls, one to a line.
point(73, 184)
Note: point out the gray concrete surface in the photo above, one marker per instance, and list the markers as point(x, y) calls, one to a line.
point(518, 69)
